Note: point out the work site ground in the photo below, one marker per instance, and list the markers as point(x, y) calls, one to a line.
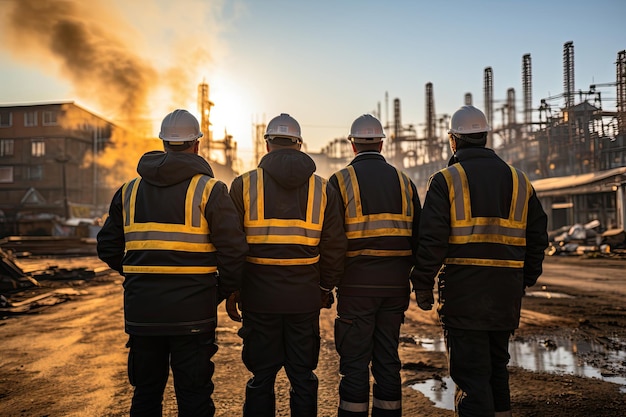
point(62, 348)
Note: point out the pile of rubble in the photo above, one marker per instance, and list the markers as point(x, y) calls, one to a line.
point(21, 291)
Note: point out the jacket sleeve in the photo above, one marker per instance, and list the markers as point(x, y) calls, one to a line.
point(228, 237)
point(434, 228)
point(417, 214)
point(333, 243)
point(536, 240)
point(110, 239)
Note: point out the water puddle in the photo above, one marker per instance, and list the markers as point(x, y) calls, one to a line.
point(547, 294)
point(555, 355)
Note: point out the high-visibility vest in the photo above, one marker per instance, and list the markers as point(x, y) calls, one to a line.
point(360, 226)
point(260, 230)
point(192, 236)
point(508, 233)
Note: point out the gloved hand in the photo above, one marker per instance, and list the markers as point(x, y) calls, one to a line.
point(327, 297)
point(425, 299)
point(233, 306)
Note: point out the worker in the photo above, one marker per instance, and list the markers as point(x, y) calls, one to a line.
point(293, 223)
point(381, 218)
point(484, 223)
point(173, 233)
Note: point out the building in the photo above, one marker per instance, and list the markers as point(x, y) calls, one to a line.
point(47, 165)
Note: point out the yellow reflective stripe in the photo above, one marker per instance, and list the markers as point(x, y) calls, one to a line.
point(350, 193)
point(160, 269)
point(407, 193)
point(282, 262)
point(128, 211)
point(313, 207)
point(253, 200)
point(460, 205)
point(284, 239)
point(484, 262)
point(345, 188)
point(521, 195)
point(378, 232)
point(375, 252)
point(353, 407)
point(170, 245)
point(387, 405)
point(476, 238)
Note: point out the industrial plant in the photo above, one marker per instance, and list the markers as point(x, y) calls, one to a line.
point(571, 145)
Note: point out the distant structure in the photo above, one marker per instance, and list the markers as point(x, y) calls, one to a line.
point(572, 148)
point(48, 168)
point(60, 163)
point(221, 154)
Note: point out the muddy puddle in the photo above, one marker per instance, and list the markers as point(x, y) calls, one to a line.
point(552, 355)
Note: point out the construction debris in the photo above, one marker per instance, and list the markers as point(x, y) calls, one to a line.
point(587, 239)
point(22, 292)
point(50, 245)
point(12, 278)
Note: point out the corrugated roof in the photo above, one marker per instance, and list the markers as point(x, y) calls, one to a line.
point(572, 181)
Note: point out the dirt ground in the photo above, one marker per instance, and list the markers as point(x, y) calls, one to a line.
point(65, 354)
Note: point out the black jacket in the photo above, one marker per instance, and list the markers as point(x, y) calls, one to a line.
point(172, 303)
point(478, 297)
point(378, 264)
point(272, 288)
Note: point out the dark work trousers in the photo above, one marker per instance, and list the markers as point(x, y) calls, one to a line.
point(478, 366)
point(273, 341)
point(367, 330)
point(149, 361)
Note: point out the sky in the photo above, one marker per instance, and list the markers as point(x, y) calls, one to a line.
point(324, 62)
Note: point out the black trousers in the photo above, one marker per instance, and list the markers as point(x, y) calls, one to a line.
point(367, 331)
point(149, 361)
point(273, 341)
point(478, 366)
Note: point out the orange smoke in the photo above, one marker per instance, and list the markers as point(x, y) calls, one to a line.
point(90, 45)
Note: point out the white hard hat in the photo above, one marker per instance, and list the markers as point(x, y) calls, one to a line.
point(366, 129)
point(468, 120)
point(283, 126)
point(180, 126)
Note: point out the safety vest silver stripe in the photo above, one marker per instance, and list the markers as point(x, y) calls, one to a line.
point(379, 224)
point(522, 195)
point(282, 261)
point(348, 192)
point(387, 405)
point(166, 236)
point(317, 196)
point(457, 185)
point(378, 252)
point(407, 192)
point(353, 407)
point(251, 180)
point(488, 229)
point(485, 262)
point(283, 231)
point(196, 201)
point(129, 209)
